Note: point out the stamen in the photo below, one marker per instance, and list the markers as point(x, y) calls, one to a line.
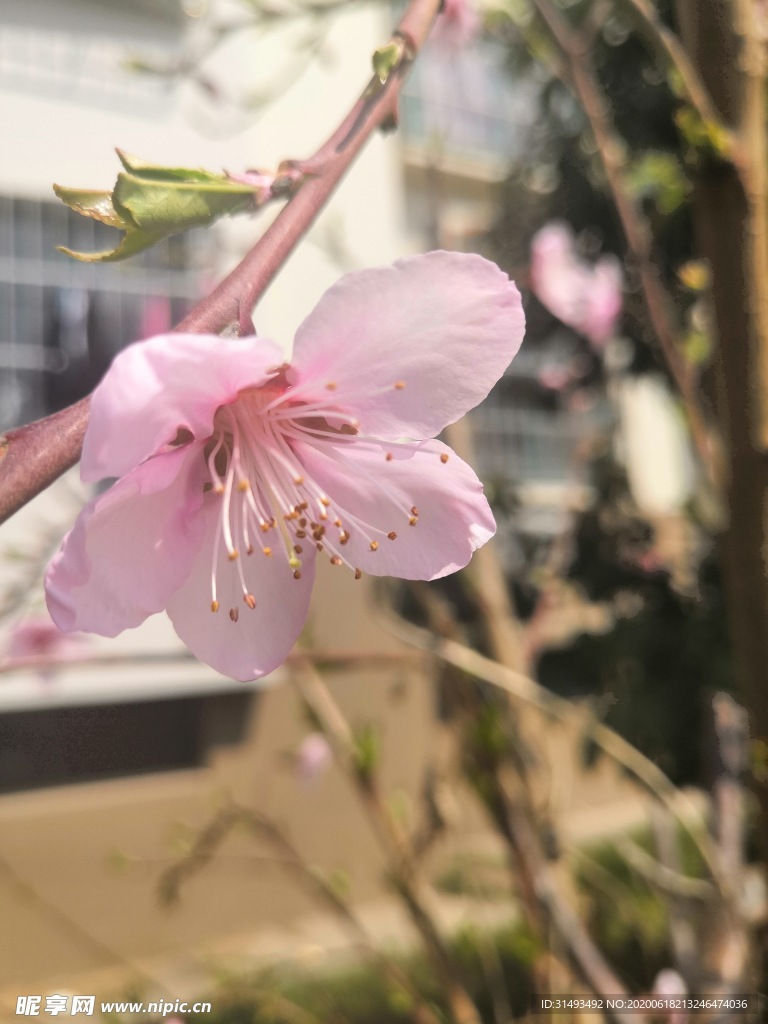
point(443, 458)
point(250, 600)
point(234, 614)
point(374, 545)
point(399, 385)
point(391, 535)
point(214, 606)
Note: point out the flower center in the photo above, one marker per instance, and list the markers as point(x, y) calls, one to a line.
point(269, 504)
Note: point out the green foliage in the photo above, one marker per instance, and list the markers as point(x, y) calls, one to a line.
point(367, 751)
point(627, 917)
point(660, 664)
point(659, 177)
point(149, 203)
point(362, 993)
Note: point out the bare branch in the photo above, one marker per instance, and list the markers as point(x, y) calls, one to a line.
point(33, 456)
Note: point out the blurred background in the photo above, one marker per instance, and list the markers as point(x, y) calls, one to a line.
point(528, 778)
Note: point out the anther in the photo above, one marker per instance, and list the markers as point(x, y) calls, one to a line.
point(399, 385)
point(267, 552)
point(301, 534)
point(243, 485)
point(298, 548)
point(218, 489)
point(298, 479)
point(294, 563)
point(302, 522)
point(233, 555)
point(331, 385)
point(336, 560)
point(343, 537)
point(214, 606)
point(392, 535)
point(374, 545)
point(297, 575)
point(234, 614)
point(358, 574)
point(389, 456)
point(414, 510)
point(443, 458)
point(319, 546)
point(250, 600)
point(337, 522)
point(412, 521)
point(325, 501)
point(249, 549)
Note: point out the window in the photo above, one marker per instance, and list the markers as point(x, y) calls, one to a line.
point(61, 321)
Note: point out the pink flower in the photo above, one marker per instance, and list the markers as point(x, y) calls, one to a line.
point(457, 25)
point(38, 637)
point(587, 298)
point(238, 470)
point(313, 757)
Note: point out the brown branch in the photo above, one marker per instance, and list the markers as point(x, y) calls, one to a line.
point(333, 658)
point(672, 52)
point(583, 81)
point(206, 846)
point(395, 843)
point(33, 456)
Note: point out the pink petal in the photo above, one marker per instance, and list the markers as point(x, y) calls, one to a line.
point(156, 387)
point(130, 548)
point(446, 325)
point(605, 301)
point(374, 496)
point(261, 638)
point(458, 24)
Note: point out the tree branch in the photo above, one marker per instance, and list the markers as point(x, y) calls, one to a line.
point(584, 83)
point(34, 455)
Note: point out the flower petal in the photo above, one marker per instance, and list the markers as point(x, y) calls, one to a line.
point(373, 496)
point(446, 325)
point(261, 638)
point(156, 387)
point(130, 548)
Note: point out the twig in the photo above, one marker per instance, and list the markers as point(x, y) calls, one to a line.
point(337, 659)
point(672, 52)
point(637, 231)
point(33, 456)
point(233, 815)
point(394, 840)
point(621, 751)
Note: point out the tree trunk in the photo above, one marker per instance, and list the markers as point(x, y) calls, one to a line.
point(725, 235)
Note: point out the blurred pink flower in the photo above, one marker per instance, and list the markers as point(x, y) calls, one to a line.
point(457, 25)
point(236, 469)
point(313, 758)
point(554, 377)
point(37, 636)
point(587, 298)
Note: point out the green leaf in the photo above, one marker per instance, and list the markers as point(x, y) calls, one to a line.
point(386, 59)
point(150, 202)
point(658, 176)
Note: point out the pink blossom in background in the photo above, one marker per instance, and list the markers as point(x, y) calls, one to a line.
point(458, 24)
point(237, 471)
point(585, 297)
point(313, 758)
point(554, 377)
point(38, 637)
